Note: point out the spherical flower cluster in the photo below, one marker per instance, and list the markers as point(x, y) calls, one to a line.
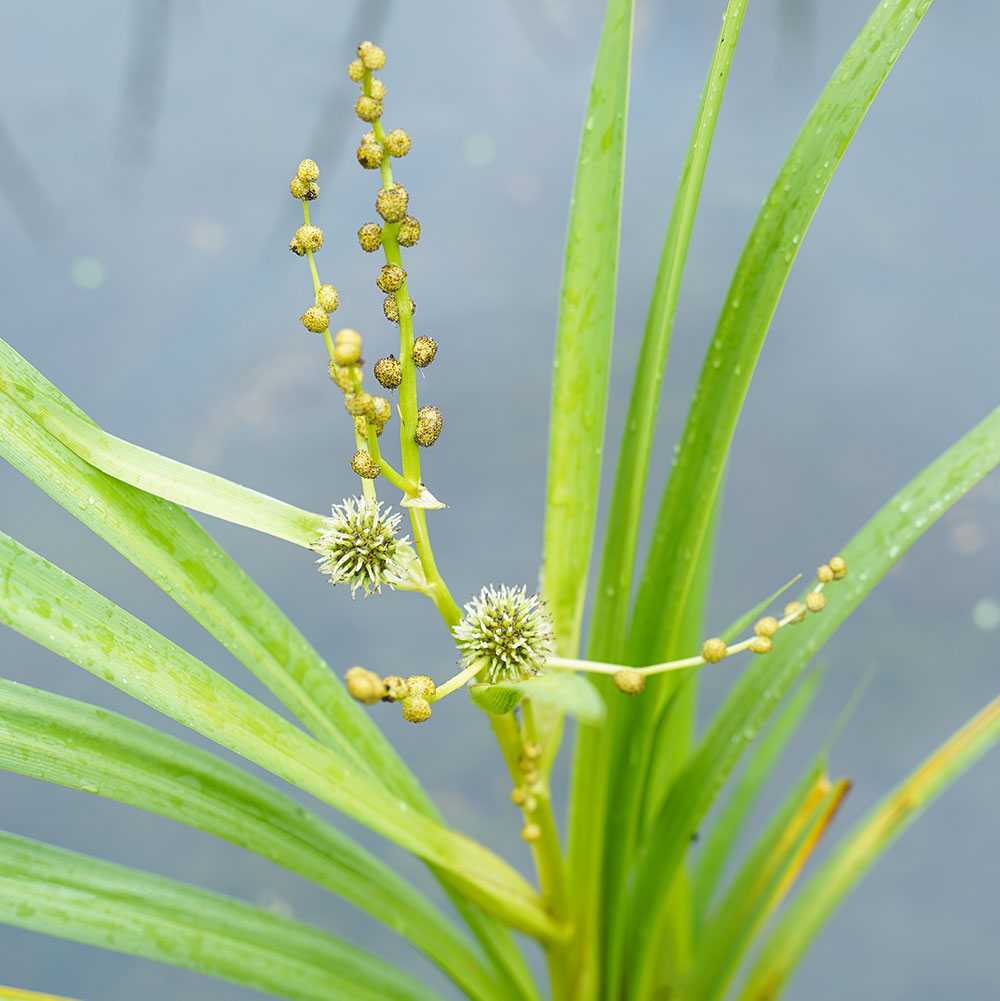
point(359, 546)
point(507, 630)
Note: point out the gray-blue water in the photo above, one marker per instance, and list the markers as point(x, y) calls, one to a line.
point(157, 139)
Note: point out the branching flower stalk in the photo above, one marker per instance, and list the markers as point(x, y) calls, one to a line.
point(505, 635)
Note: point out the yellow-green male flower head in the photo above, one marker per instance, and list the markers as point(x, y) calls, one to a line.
point(507, 630)
point(360, 547)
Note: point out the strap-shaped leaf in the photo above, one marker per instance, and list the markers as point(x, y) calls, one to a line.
point(861, 848)
point(583, 338)
point(78, 745)
point(175, 481)
point(595, 805)
point(53, 608)
point(683, 519)
point(16, 994)
point(719, 844)
point(870, 555)
point(72, 896)
point(763, 880)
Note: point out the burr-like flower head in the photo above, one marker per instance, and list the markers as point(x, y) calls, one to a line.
point(360, 547)
point(507, 629)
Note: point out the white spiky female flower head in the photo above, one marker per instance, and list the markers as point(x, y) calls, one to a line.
point(359, 547)
point(508, 630)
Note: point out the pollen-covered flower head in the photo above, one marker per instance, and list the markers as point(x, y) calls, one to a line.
point(360, 547)
point(507, 629)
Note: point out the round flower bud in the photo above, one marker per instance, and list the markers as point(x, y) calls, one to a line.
point(364, 465)
point(531, 832)
point(397, 142)
point(409, 231)
point(815, 601)
point(530, 804)
point(296, 247)
point(365, 686)
point(327, 298)
point(766, 626)
point(395, 689)
point(378, 89)
point(429, 423)
point(713, 650)
point(824, 574)
point(308, 171)
point(310, 237)
point(298, 188)
point(312, 191)
point(370, 236)
point(389, 372)
point(381, 411)
point(343, 377)
point(347, 354)
point(416, 710)
point(356, 70)
point(760, 644)
point(796, 609)
point(347, 336)
point(421, 685)
point(629, 681)
point(839, 567)
point(391, 308)
point(518, 795)
point(315, 319)
point(368, 109)
point(424, 350)
point(390, 203)
point(372, 57)
point(370, 155)
point(532, 749)
point(391, 278)
point(359, 405)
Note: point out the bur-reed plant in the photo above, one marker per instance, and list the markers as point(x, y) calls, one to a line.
point(619, 905)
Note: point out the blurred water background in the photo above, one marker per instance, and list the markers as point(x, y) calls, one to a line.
point(145, 152)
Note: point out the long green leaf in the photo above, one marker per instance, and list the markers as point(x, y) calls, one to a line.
point(607, 636)
point(47, 605)
point(61, 893)
point(175, 481)
point(767, 872)
point(597, 754)
point(861, 848)
point(178, 555)
point(15, 994)
point(74, 744)
point(718, 846)
point(583, 339)
point(682, 522)
point(870, 555)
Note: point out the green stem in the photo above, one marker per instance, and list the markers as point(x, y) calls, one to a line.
point(453, 684)
point(387, 471)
